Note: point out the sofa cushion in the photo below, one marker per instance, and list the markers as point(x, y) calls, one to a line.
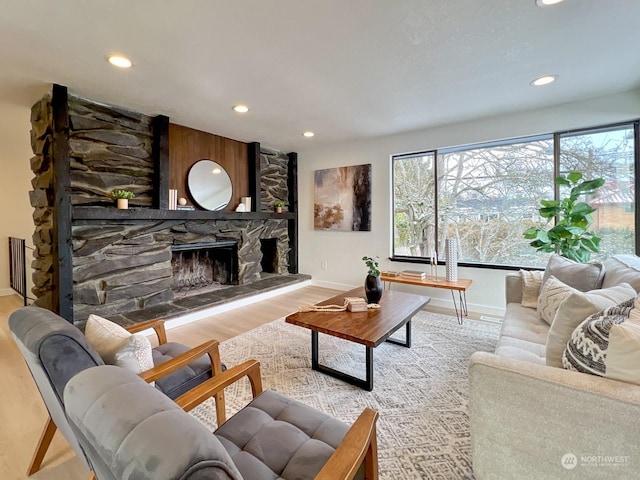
point(622, 269)
point(118, 347)
point(607, 344)
point(581, 276)
point(518, 349)
point(574, 310)
point(523, 335)
point(524, 323)
point(552, 294)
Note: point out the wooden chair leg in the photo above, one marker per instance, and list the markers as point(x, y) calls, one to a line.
point(221, 411)
point(43, 445)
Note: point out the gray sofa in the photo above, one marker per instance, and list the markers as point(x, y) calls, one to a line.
point(531, 420)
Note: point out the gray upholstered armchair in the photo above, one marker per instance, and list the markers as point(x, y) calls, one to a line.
point(55, 351)
point(129, 430)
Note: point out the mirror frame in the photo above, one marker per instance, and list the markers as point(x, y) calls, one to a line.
point(221, 193)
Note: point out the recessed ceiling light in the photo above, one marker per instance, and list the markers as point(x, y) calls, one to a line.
point(241, 108)
point(544, 80)
point(308, 134)
point(119, 61)
point(547, 3)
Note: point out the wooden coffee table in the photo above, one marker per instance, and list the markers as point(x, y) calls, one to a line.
point(369, 328)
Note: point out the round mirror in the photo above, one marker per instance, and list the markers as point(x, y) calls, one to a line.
point(209, 185)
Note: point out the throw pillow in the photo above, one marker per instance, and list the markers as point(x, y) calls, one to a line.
point(574, 310)
point(118, 347)
point(581, 276)
point(531, 283)
point(552, 294)
point(606, 344)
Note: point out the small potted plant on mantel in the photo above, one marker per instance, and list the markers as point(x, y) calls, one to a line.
point(122, 198)
point(278, 204)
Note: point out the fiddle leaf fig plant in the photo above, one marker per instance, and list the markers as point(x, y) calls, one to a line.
point(569, 236)
point(372, 265)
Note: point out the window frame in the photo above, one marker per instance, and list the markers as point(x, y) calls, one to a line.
point(555, 136)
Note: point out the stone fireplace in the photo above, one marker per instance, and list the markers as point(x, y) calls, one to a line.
point(92, 258)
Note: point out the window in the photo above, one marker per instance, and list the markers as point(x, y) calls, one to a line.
point(414, 204)
point(486, 195)
point(606, 153)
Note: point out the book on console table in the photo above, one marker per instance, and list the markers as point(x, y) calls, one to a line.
point(413, 274)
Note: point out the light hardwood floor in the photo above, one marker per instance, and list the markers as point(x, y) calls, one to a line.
point(22, 413)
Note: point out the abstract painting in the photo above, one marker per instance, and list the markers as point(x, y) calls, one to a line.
point(342, 199)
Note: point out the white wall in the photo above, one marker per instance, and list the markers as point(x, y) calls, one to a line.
point(15, 183)
point(343, 250)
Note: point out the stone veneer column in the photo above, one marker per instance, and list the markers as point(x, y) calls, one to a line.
point(274, 166)
point(41, 198)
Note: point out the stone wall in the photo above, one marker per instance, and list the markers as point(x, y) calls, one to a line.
point(274, 170)
point(110, 150)
point(41, 198)
point(122, 267)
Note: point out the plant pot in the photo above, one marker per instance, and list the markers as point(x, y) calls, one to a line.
point(122, 203)
point(278, 209)
point(373, 288)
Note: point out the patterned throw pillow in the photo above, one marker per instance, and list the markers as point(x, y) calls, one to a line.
point(552, 294)
point(118, 347)
point(607, 344)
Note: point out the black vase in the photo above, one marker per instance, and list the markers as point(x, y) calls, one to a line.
point(373, 288)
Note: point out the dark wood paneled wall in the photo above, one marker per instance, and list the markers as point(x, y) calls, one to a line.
point(187, 146)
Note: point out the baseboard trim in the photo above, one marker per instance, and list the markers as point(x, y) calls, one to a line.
point(333, 285)
point(8, 291)
point(472, 307)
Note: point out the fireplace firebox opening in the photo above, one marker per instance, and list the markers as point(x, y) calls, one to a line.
point(270, 260)
point(202, 267)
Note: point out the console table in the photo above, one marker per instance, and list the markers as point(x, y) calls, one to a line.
point(461, 286)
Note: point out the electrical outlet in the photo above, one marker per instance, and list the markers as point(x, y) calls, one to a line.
point(323, 264)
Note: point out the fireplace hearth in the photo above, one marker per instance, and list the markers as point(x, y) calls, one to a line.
point(202, 267)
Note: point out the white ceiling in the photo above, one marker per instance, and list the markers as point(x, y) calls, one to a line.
point(343, 68)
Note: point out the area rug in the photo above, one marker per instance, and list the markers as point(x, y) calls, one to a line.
point(420, 392)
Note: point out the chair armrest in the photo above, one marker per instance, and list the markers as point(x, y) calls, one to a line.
point(157, 324)
point(358, 445)
point(210, 347)
point(200, 393)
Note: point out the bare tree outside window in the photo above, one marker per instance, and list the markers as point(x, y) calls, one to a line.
point(414, 205)
point(487, 195)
